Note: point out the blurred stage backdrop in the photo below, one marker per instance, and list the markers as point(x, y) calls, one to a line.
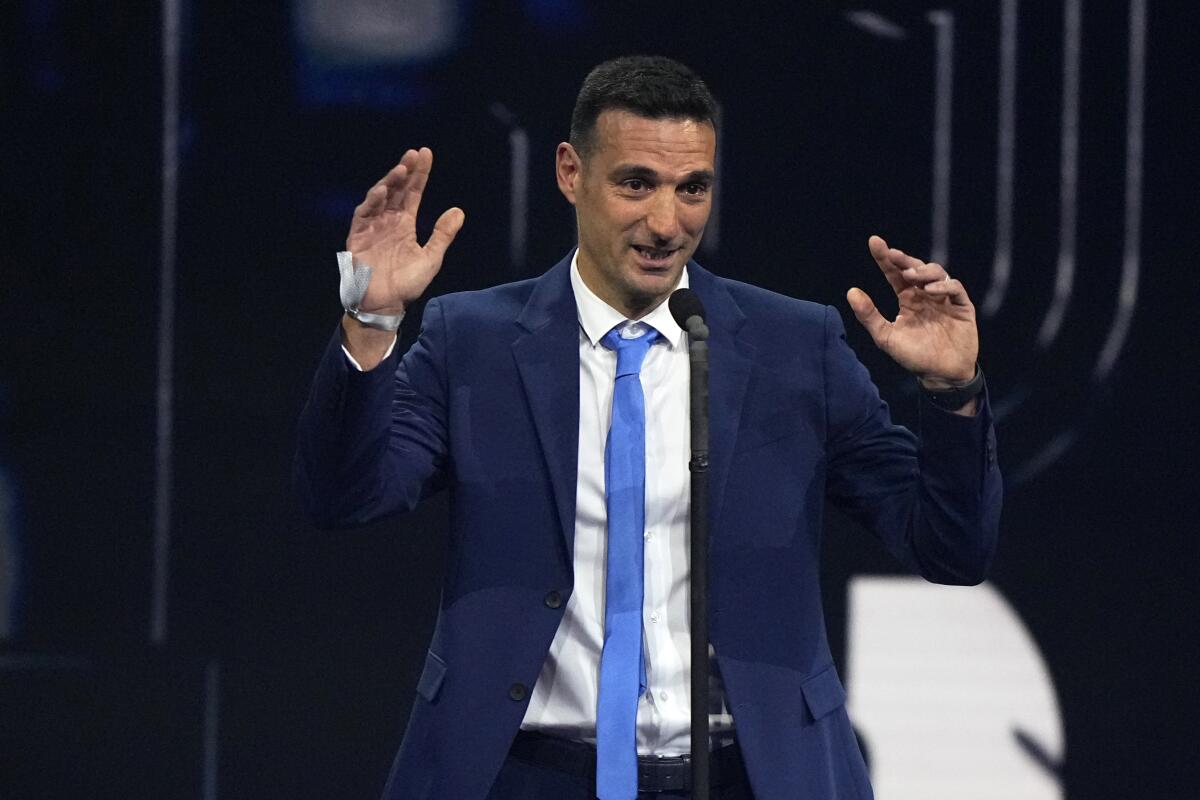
point(178, 177)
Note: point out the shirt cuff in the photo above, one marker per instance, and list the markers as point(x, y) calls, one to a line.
point(358, 366)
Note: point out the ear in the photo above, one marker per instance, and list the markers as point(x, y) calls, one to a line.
point(568, 169)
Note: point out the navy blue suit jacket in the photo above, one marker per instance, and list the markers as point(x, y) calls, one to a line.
point(486, 405)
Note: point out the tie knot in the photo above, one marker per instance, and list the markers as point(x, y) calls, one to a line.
point(631, 342)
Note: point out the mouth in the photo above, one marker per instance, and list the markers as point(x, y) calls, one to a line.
point(655, 258)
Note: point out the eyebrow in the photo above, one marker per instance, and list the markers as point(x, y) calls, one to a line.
point(626, 171)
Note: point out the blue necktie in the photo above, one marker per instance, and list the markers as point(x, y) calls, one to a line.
point(622, 664)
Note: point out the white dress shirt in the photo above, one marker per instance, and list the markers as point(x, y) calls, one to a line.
point(565, 696)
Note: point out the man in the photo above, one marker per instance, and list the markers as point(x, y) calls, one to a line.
point(508, 399)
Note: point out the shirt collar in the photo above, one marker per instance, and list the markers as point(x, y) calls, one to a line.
point(597, 317)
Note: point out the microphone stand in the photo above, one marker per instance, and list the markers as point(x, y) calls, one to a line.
point(698, 358)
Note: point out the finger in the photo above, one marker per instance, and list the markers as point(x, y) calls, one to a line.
point(903, 260)
point(372, 205)
point(950, 288)
point(877, 246)
point(397, 174)
point(882, 255)
point(418, 177)
point(444, 231)
point(399, 179)
point(922, 274)
point(865, 311)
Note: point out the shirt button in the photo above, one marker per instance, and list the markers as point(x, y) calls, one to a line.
point(654, 616)
point(662, 696)
point(553, 600)
point(648, 535)
point(518, 692)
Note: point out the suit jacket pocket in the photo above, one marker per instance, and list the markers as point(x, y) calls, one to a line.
point(823, 692)
point(431, 676)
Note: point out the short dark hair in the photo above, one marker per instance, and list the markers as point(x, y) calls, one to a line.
point(654, 87)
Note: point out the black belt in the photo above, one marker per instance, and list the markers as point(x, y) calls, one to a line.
point(655, 773)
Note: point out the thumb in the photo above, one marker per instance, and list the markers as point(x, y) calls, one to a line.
point(444, 230)
point(867, 314)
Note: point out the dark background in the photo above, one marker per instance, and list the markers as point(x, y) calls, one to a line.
point(304, 646)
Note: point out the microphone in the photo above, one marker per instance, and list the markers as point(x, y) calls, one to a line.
point(688, 312)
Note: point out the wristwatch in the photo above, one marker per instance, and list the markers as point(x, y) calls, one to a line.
point(955, 397)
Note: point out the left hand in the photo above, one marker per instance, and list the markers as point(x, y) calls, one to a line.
point(934, 334)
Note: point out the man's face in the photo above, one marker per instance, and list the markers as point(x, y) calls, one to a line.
point(642, 197)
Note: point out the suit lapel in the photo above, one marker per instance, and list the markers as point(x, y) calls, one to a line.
point(547, 357)
point(730, 359)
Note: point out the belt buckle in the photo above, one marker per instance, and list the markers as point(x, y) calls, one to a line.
point(664, 773)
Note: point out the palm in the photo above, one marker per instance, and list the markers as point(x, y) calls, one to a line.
point(402, 268)
point(934, 333)
point(383, 235)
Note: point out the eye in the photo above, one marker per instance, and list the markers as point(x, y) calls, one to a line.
point(695, 189)
point(635, 184)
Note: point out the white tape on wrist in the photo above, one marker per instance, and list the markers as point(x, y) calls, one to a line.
point(353, 288)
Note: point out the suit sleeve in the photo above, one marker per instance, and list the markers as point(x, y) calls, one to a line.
point(374, 443)
point(934, 500)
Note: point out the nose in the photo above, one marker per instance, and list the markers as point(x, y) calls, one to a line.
point(662, 217)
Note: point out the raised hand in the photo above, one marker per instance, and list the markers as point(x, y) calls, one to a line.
point(934, 334)
point(383, 235)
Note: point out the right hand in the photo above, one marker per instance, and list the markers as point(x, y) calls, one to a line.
point(383, 235)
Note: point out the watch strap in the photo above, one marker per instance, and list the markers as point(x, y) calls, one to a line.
point(955, 397)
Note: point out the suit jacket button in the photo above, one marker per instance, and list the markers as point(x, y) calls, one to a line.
point(517, 692)
point(553, 600)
